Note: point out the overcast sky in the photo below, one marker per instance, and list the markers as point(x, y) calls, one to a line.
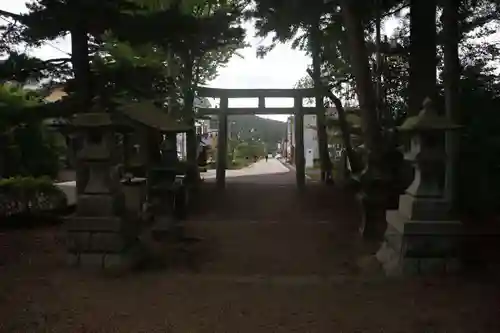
point(281, 68)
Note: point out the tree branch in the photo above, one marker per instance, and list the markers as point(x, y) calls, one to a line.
point(344, 126)
point(11, 15)
point(60, 60)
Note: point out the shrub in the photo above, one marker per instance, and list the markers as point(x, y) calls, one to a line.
point(29, 196)
point(27, 146)
point(239, 163)
point(31, 150)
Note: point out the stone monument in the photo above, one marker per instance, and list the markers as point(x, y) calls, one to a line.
point(421, 236)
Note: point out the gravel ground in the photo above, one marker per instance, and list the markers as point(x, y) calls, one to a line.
point(271, 260)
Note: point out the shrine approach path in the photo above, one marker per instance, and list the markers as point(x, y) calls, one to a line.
point(271, 260)
point(261, 224)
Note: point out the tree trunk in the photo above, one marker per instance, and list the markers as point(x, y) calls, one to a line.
point(326, 164)
point(81, 66)
point(373, 197)
point(383, 114)
point(81, 70)
point(378, 56)
point(361, 70)
point(451, 90)
point(423, 59)
point(3, 154)
point(346, 134)
point(345, 129)
point(191, 137)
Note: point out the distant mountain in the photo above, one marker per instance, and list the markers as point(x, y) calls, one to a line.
point(249, 126)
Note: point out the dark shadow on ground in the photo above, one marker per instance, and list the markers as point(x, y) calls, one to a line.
point(263, 224)
point(272, 260)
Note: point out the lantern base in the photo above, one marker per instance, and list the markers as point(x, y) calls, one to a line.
point(110, 263)
point(414, 247)
point(424, 208)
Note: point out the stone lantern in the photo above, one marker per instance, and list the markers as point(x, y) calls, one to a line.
point(421, 236)
point(99, 235)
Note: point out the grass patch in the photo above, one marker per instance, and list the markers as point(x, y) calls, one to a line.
point(236, 164)
point(239, 163)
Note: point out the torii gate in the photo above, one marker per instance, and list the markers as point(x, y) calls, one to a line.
point(298, 110)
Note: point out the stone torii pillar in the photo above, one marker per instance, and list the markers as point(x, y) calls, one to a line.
point(222, 144)
point(300, 162)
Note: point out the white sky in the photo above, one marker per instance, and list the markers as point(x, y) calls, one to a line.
point(281, 68)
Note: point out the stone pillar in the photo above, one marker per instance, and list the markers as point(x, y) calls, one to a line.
point(160, 196)
point(222, 144)
point(300, 163)
point(262, 103)
point(421, 236)
point(98, 236)
point(134, 195)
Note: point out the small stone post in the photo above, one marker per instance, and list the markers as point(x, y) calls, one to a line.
point(421, 236)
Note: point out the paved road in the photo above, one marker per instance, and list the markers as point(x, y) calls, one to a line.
point(262, 169)
point(272, 167)
point(265, 191)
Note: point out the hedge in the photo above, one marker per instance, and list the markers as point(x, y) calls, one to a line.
point(29, 196)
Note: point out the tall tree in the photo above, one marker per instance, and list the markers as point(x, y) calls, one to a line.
point(363, 78)
point(207, 35)
point(300, 22)
point(450, 19)
point(423, 53)
point(315, 41)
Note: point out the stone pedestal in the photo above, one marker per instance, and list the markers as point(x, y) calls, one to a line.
point(372, 197)
point(413, 247)
point(372, 215)
point(421, 236)
point(135, 193)
point(161, 191)
point(100, 235)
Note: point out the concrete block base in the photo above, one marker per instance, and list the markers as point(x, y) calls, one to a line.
point(112, 263)
point(420, 247)
point(107, 244)
point(395, 264)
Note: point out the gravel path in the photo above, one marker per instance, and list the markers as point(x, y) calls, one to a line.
point(271, 260)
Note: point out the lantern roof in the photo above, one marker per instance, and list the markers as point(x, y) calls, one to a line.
point(428, 120)
point(150, 115)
